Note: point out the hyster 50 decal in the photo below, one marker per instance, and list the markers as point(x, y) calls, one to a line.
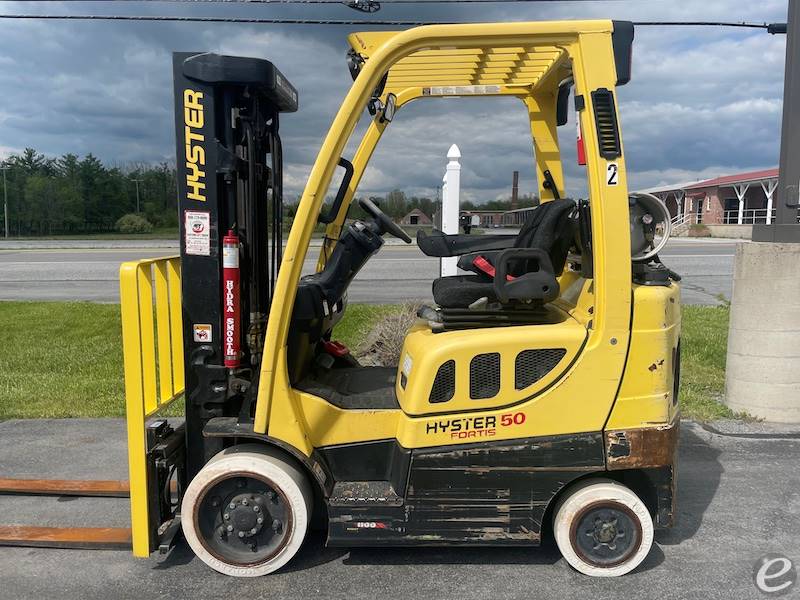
point(475, 427)
point(193, 120)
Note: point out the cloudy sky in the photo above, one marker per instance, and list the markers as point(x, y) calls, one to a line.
point(702, 102)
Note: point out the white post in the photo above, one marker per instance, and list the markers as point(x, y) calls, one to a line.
point(741, 190)
point(769, 188)
point(450, 206)
point(680, 195)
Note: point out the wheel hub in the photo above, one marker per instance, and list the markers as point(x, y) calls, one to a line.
point(245, 514)
point(243, 520)
point(606, 534)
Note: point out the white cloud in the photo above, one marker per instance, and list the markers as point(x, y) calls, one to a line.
point(701, 101)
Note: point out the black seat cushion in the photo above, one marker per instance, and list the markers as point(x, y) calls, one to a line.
point(459, 291)
point(367, 388)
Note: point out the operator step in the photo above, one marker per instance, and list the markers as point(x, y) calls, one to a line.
point(364, 493)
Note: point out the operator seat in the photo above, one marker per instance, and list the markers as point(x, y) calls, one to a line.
point(525, 270)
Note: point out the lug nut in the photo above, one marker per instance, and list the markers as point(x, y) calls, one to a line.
point(244, 502)
point(257, 508)
point(253, 531)
point(260, 520)
point(226, 516)
point(241, 534)
point(229, 528)
point(232, 505)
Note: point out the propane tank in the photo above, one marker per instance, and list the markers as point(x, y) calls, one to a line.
point(231, 301)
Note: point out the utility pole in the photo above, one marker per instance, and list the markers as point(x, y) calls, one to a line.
point(5, 200)
point(136, 181)
point(437, 210)
point(515, 191)
point(761, 376)
point(786, 228)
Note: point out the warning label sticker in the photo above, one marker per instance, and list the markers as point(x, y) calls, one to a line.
point(202, 332)
point(461, 90)
point(197, 239)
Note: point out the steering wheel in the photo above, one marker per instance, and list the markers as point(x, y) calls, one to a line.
point(384, 222)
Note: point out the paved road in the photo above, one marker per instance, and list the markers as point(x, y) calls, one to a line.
point(738, 499)
point(396, 273)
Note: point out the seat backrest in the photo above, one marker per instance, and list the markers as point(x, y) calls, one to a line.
point(551, 228)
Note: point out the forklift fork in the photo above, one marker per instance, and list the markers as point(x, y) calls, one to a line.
point(153, 346)
point(165, 473)
point(65, 537)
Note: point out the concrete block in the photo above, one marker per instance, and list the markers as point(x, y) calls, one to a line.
point(767, 370)
point(745, 340)
point(774, 403)
point(762, 378)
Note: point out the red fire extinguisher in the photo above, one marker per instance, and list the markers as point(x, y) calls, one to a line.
point(231, 296)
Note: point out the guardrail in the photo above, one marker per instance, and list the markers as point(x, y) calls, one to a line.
point(152, 341)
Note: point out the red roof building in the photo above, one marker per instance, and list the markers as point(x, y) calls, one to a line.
point(738, 199)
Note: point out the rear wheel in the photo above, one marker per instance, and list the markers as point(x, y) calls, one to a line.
point(247, 511)
point(602, 528)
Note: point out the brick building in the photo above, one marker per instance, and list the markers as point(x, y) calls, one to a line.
point(738, 199)
point(485, 218)
point(416, 217)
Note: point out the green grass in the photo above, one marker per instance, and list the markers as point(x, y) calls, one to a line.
point(159, 233)
point(704, 344)
point(64, 359)
point(358, 320)
point(60, 360)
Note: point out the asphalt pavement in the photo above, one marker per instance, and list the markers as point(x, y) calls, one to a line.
point(88, 270)
point(738, 499)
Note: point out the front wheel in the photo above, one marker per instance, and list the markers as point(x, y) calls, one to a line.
point(247, 511)
point(602, 528)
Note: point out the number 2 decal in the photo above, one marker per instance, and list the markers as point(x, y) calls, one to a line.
point(612, 171)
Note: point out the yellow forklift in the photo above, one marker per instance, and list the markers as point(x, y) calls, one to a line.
point(538, 394)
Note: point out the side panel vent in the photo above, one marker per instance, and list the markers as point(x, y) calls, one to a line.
point(605, 116)
point(531, 365)
point(484, 376)
point(444, 386)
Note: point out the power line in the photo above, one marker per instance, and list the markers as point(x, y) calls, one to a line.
point(771, 27)
point(317, 1)
point(366, 6)
point(179, 19)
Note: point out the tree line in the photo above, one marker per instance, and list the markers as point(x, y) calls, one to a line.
point(73, 195)
point(397, 205)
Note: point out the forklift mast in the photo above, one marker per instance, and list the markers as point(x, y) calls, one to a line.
point(229, 171)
